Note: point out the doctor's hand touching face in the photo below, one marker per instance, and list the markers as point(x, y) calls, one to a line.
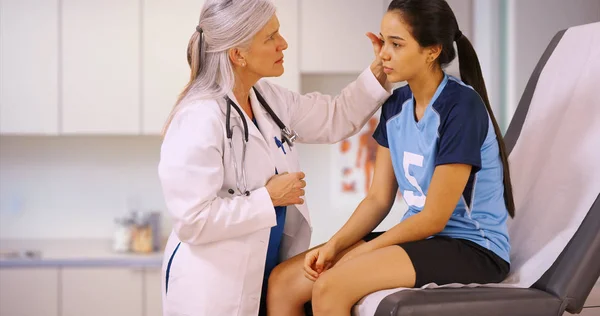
point(377, 64)
point(286, 188)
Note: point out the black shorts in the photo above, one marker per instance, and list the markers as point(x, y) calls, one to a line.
point(444, 260)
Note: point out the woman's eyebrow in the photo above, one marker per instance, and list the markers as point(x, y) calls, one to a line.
point(393, 37)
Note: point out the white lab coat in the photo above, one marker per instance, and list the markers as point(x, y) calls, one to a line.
point(219, 266)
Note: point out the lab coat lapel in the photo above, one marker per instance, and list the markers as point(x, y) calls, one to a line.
point(271, 133)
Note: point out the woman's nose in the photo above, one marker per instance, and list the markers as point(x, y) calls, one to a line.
point(283, 45)
point(383, 53)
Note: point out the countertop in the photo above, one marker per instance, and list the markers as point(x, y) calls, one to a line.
point(71, 253)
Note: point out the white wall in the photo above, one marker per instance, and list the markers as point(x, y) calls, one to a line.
point(73, 187)
point(531, 26)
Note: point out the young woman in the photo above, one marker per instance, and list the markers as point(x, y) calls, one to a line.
point(439, 143)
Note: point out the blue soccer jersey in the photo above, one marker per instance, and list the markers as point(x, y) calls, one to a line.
point(455, 128)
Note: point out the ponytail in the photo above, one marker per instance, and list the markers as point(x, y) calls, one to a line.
point(470, 73)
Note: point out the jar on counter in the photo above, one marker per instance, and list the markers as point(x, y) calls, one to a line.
point(142, 233)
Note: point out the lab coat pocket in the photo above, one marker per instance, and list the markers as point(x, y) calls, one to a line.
point(207, 281)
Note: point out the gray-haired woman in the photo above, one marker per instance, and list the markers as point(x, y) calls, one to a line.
point(228, 168)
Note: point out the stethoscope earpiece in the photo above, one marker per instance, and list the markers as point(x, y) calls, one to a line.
point(231, 191)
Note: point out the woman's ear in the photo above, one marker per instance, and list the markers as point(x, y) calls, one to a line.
point(237, 57)
point(433, 52)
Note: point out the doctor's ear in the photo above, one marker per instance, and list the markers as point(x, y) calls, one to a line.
point(237, 57)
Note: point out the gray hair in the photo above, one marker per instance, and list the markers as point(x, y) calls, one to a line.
point(224, 24)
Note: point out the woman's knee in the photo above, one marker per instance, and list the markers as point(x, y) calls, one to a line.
point(278, 276)
point(326, 286)
point(321, 287)
point(277, 280)
point(285, 278)
point(325, 294)
point(288, 288)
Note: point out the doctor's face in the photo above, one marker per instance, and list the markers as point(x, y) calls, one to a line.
point(403, 57)
point(265, 54)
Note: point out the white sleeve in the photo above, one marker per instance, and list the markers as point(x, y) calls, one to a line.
point(191, 173)
point(319, 118)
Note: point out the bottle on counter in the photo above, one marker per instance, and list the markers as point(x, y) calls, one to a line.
point(122, 235)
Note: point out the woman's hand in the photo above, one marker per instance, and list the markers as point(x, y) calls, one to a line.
point(318, 261)
point(362, 249)
point(377, 65)
point(286, 188)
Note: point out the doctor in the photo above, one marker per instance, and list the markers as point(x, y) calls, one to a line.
point(229, 168)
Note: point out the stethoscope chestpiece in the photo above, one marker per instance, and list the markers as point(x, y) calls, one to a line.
point(289, 136)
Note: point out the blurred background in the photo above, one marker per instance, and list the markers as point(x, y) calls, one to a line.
point(85, 87)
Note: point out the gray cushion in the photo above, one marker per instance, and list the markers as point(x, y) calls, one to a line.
point(469, 301)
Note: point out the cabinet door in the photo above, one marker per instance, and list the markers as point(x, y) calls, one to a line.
point(153, 292)
point(166, 33)
point(101, 66)
point(29, 66)
point(102, 291)
point(287, 14)
point(29, 291)
point(332, 35)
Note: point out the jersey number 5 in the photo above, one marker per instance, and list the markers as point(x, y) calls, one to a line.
point(410, 197)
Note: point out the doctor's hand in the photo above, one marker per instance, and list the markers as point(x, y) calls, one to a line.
point(318, 261)
point(286, 188)
point(377, 65)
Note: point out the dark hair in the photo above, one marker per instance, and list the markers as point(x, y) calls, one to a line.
point(432, 22)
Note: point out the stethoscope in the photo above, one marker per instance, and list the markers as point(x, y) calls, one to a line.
point(288, 136)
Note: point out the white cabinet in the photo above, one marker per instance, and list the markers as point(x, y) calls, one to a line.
point(332, 34)
point(167, 28)
point(101, 66)
point(29, 66)
point(287, 14)
point(152, 292)
point(102, 291)
point(29, 291)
